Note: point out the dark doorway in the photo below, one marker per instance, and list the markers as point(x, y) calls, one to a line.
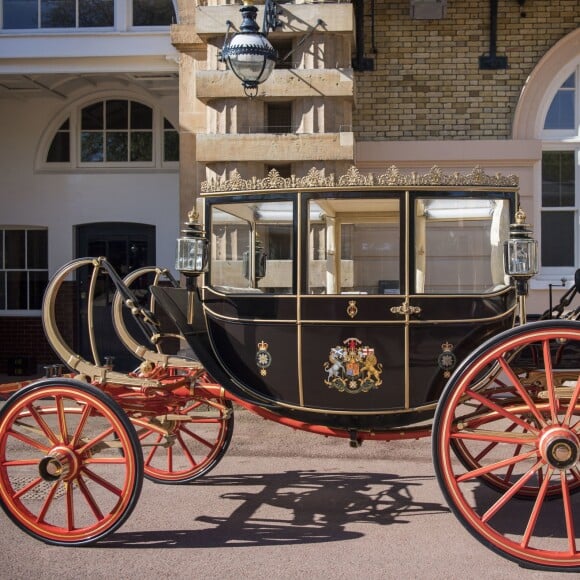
point(127, 246)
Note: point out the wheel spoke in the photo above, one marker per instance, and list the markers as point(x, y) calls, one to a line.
point(47, 502)
point(491, 446)
point(153, 450)
point(503, 500)
point(521, 390)
point(550, 381)
point(60, 411)
point(95, 440)
point(197, 437)
point(495, 436)
point(70, 510)
point(89, 498)
point(30, 442)
point(81, 425)
point(42, 424)
point(573, 403)
point(568, 513)
point(103, 482)
point(23, 491)
point(503, 411)
point(494, 466)
point(186, 450)
point(536, 509)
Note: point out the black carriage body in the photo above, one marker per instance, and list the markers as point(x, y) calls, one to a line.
point(349, 307)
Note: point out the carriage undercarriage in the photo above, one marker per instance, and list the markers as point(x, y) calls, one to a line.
point(504, 423)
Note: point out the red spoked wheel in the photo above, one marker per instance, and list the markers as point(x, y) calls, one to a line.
point(182, 447)
point(475, 454)
point(529, 440)
point(71, 467)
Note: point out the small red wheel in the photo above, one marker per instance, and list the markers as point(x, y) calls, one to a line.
point(526, 441)
point(184, 447)
point(71, 467)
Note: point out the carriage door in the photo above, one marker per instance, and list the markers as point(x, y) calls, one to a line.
point(352, 345)
point(127, 246)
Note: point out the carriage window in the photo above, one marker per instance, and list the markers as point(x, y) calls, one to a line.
point(354, 246)
point(459, 245)
point(252, 247)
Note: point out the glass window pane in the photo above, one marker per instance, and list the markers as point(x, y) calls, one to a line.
point(117, 146)
point(92, 117)
point(557, 238)
point(153, 13)
point(561, 112)
point(459, 245)
point(37, 285)
point(141, 146)
point(36, 249)
point(96, 13)
point(15, 249)
point(558, 179)
point(59, 151)
point(1, 249)
point(117, 115)
point(366, 260)
point(171, 146)
point(252, 256)
point(20, 14)
point(92, 147)
point(16, 290)
point(141, 116)
point(57, 14)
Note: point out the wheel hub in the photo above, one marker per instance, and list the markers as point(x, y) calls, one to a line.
point(560, 447)
point(60, 464)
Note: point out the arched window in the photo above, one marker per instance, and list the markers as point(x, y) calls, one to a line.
point(560, 193)
point(114, 132)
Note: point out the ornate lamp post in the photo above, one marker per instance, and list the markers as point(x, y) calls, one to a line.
point(249, 54)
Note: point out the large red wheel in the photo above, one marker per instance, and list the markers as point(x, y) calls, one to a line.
point(71, 467)
point(526, 440)
point(185, 446)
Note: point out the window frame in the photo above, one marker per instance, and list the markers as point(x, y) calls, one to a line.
point(122, 21)
point(159, 132)
point(8, 312)
point(562, 140)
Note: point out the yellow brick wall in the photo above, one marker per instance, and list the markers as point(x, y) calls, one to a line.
point(427, 83)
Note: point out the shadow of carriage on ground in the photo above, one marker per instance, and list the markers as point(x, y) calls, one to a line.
point(293, 507)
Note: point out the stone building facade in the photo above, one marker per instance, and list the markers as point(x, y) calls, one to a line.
point(378, 84)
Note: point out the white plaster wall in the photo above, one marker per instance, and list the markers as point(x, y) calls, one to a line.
point(62, 200)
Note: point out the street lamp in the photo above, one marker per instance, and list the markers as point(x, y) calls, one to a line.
point(521, 258)
point(249, 53)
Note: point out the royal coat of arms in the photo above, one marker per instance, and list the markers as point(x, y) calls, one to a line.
point(353, 368)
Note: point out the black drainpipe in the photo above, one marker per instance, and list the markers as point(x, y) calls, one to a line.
point(492, 61)
point(360, 63)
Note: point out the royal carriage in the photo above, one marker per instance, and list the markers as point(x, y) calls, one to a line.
point(368, 307)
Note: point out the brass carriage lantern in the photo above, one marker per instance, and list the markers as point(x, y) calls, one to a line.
point(192, 248)
point(521, 257)
point(249, 54)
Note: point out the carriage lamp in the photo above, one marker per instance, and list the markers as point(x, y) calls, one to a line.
point(521, 256)
point(249, 54)
point(192, 248)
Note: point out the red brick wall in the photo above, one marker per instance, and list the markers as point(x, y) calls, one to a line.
point(24, 348)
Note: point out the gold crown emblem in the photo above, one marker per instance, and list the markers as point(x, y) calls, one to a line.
point(263, 345)
point(446, 347)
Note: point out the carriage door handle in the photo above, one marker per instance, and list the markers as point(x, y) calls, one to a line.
point(406, 309)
